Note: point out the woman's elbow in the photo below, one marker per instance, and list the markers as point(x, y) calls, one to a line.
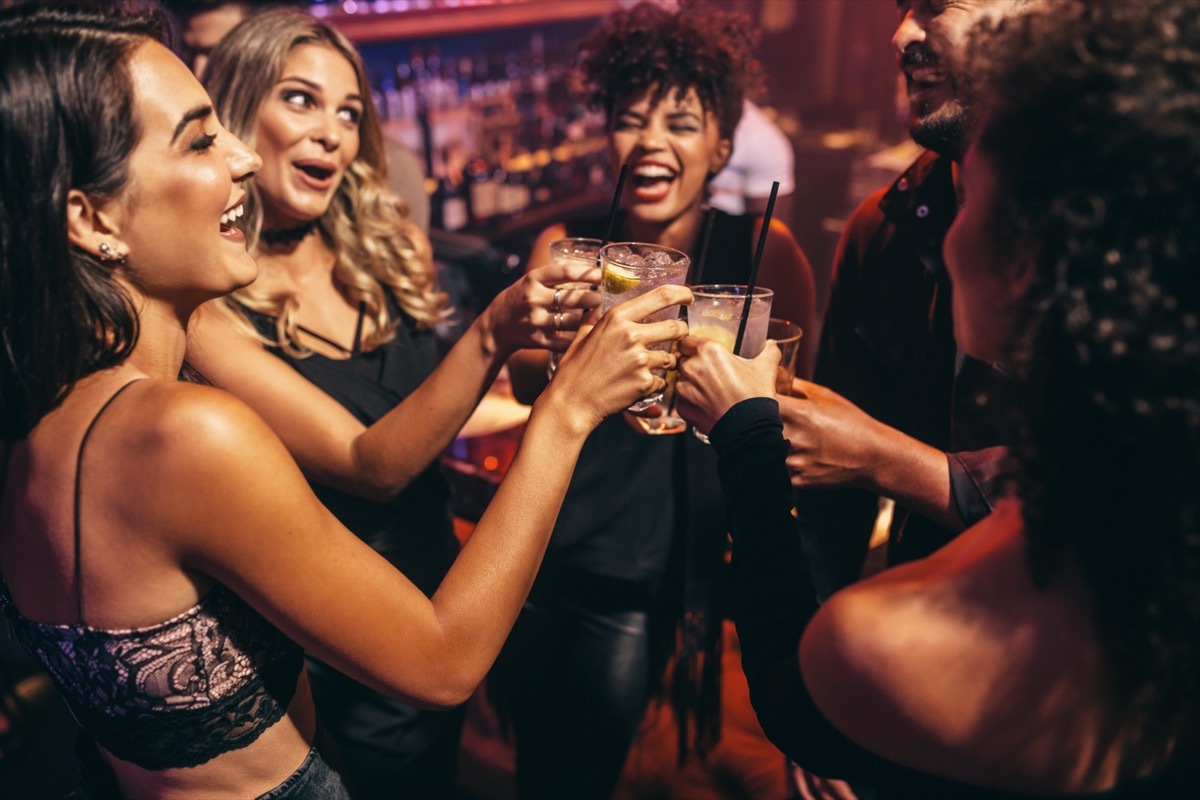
point(448, 690)
point(370, 480)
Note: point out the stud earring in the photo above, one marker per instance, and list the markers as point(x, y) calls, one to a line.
point(109, 254)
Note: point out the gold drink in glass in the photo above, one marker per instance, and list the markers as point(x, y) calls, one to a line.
point(630, 270)
point(787, 336)
point(716, 313)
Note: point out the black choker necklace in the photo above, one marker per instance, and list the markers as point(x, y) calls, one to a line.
point(287, 236)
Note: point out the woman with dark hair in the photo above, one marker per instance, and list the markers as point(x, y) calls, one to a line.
point(1052, 649)
point(640, 541)
point(333, 345)
point(163, 556)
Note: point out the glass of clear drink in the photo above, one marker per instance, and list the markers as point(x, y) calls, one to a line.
point(716, 312)
point(786, 335)
point(630, 270)
point(572, 251)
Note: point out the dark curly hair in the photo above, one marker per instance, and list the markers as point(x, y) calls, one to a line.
point(697, 48)
point(1093, 134)
point(67, 122)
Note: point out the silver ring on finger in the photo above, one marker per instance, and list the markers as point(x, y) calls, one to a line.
point(554, 304)
point(558, 320)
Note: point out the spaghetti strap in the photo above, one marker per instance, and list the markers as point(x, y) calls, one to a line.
point(324, 339)
point(78, 485)
point(356, 345)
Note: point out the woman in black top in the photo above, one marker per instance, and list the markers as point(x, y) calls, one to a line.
point(1053, 648)
point(641, 538)
point(333, 344)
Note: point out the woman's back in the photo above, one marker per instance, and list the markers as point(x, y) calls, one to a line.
point(164, 668)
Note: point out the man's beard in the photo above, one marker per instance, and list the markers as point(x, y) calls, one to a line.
point(946, 131)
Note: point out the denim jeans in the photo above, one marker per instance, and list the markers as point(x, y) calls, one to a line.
point(313, 780)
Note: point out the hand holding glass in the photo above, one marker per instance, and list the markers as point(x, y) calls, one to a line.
point(715, 313)
point(632, 269)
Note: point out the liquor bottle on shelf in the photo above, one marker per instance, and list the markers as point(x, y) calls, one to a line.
point(481, 191)
point(449, 205)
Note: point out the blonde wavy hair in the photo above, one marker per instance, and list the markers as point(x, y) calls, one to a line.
point(377, 249)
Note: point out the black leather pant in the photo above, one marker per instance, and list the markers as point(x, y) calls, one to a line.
point(573, 683)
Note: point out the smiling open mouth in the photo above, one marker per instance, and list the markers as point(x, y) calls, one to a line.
point(652, 181)
point(317, 172)
point(231, 216)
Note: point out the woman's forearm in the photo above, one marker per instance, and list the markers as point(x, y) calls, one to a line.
point(390, 454)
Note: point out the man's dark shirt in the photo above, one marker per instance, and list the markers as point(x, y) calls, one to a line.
point(888, 346)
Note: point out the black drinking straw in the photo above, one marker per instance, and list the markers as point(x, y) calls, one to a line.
point(762, 243)
point(612, 211)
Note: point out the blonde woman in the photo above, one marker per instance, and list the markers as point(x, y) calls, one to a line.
point(333, 345)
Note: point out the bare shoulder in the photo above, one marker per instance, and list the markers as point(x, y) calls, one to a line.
point(853, 655)
point(186, 425)
point(885, 664)
point(782, 253)
point(210, 468)
point(947, 664)
point(914, 643)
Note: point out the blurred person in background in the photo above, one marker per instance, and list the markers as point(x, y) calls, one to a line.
point(204, 23)
point(761, 155)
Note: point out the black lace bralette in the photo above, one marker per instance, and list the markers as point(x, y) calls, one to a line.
point(175, 694)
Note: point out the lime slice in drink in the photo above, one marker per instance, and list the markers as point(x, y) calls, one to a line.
point(721, 336)
point(615, 283)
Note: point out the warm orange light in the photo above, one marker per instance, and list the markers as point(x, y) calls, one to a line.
point(491, 463)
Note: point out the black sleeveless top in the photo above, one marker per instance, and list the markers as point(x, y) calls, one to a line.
point(175, 694)
point(414, 531)
point(633, 496)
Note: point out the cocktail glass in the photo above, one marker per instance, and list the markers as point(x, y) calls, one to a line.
point(630, 270)
point(786, 335)
point(716, 311)
point(572, 251)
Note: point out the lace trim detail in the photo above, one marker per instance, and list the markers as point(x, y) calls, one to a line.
point(174, 694)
